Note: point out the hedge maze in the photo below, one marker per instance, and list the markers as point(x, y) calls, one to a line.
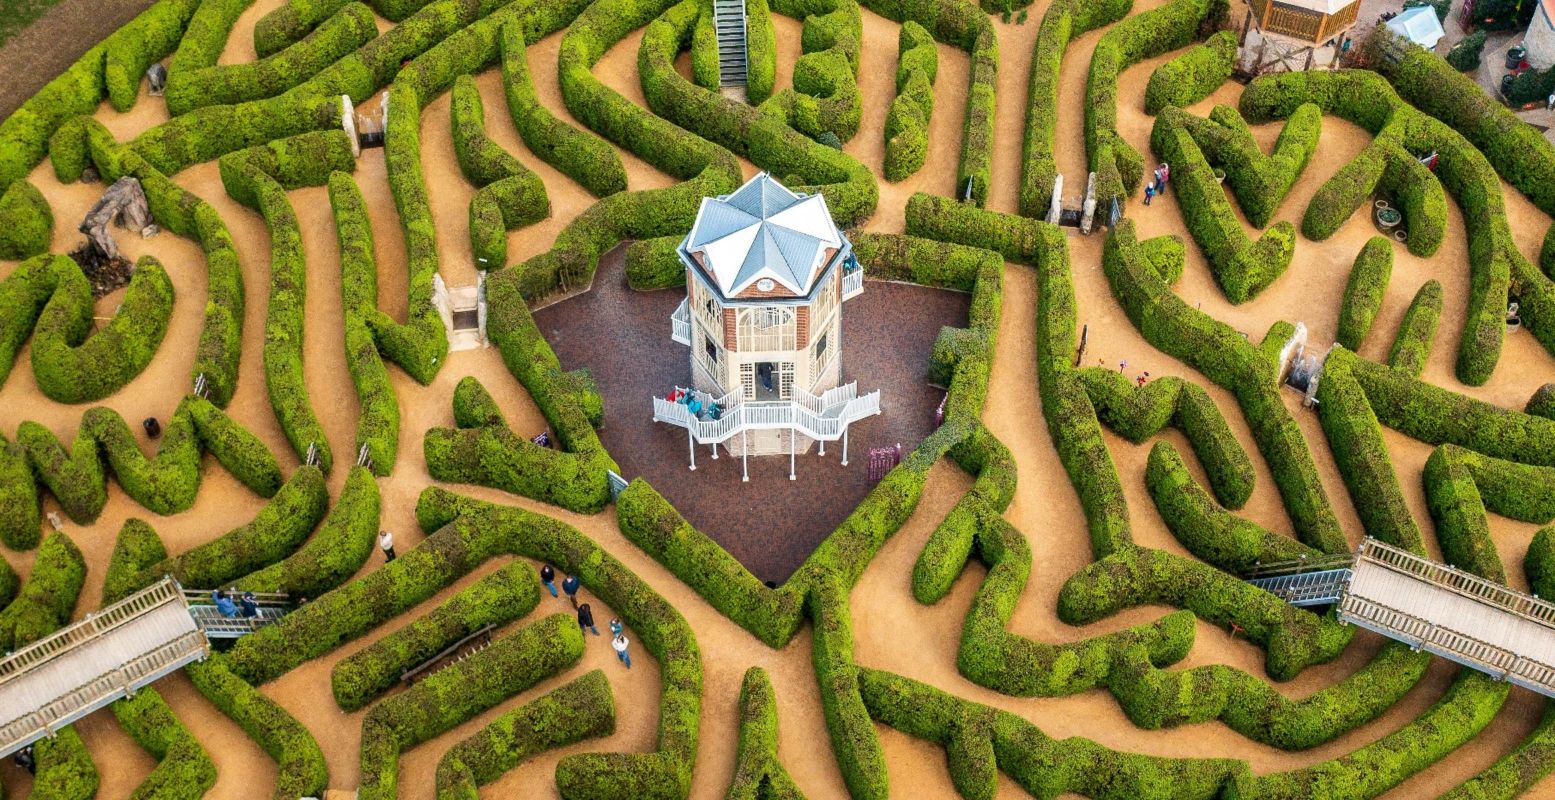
point(1046, 593)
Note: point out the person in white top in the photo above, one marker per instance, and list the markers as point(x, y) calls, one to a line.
point(386, 543)
point(620, 643)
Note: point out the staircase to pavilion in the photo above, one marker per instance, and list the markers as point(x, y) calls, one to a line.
point(729, 26)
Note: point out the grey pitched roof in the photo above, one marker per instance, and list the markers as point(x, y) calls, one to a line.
point(762, 197)
point(716, 220)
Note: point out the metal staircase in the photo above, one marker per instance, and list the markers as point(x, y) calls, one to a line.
point(729, 25)
point(272, 606)
point(1307, 588)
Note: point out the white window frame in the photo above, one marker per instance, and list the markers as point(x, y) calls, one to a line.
point(764, 328)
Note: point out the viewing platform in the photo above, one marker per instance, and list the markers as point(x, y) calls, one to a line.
point(823, 418)
point(1432, 607)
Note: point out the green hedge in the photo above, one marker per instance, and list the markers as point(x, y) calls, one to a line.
point(907, 121)
point(1517, 150)
point(302, 770)
point(20, 511)
point(336, 552)
point(474, 532)
point(1260, 182)
point(655, 264)
point(64, 768)
point(484, 450)
point(1355, 438)
point(206, 36)
point(284, 318)
point(1364, 291)
point(1118, 166)
point(458, 692)
point(704, 49)
point(74, 364)
point(765, 136)
point(349, 28)
point(46, 601)
point(306, 159)
point(1517, 772)
point(378, 423)
point(289, 22)
point(1497, 268)
point(26, 222)
point(982, 742)
point(1192, 76)
point(510, 195)
point(1227, 358)
point(1137, 414)
point(136, 549)
point(585, 158)
point(1063, 21)
point(760, 52)
point(421, 345)
point(184, 769)
point(135, 47)
point(501, 597)
point(1412, 346)
point(1242, 268)
point(273, 534)
point(581, 709)
point(1438, 416)
point(1207, 530)
point(757, 771)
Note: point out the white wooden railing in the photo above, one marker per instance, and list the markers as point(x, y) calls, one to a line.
point(680, 324)
point(1464, 583)
point(852, 283)
point(823, 418)
point(1448, 643)
point(94, 625)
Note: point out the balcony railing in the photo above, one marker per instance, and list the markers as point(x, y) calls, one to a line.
point(810, 415)
point(852, 284)
point(680, 324)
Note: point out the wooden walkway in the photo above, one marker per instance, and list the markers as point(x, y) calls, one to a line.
point(1444, 611)
point(108, 655)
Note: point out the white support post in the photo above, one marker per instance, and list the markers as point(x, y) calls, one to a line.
point(844, 447)
point(715, 451)
point(691, 444)
point(745, 456)
point(793, 445)
point(823, 446)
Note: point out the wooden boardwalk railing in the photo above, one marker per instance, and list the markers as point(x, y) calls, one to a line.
point(108, 655)
point(1445, 611)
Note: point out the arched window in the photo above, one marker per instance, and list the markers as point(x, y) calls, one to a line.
point(767, 328)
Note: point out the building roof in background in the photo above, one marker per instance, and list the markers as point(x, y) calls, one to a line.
point(763, 230)
point(1329, 7)
point(1418, 25)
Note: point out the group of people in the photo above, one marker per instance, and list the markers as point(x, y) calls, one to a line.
point(570, 586)
point(1157, 184)
point(245, 607)
point(707, 411)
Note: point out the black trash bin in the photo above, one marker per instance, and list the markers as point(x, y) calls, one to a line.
point(1506, 84)
point(153, 428)
point(1515, 56)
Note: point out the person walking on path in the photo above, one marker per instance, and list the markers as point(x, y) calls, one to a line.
point(386, 543)
point(1149, 192)
point(1163, 174)
point(1142, 378)
point(570, 586)
point(586, 619)
point(616, 627)
point(620, 643)
point(548, 578)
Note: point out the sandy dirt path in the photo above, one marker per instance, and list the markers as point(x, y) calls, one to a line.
point(893, 631)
